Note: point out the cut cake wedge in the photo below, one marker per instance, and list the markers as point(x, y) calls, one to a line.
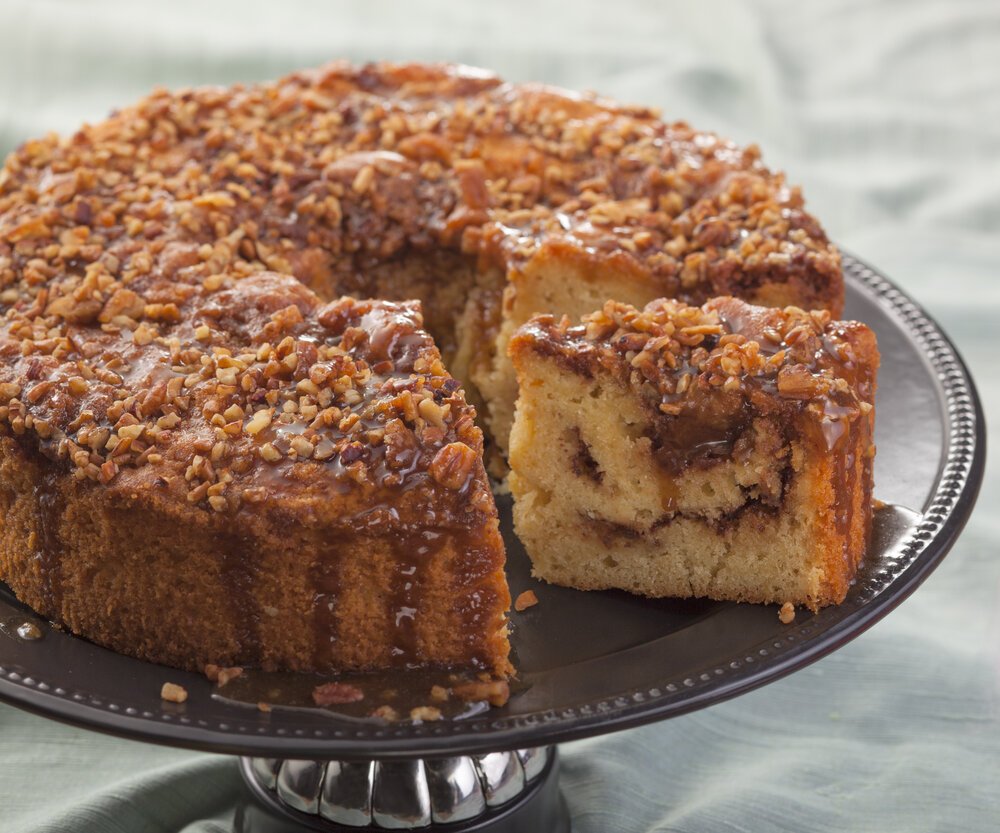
point(277, 482)
point(721, 451)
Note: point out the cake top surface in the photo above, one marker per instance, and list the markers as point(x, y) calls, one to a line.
point(709, 362)
point(346, 165)
point(259, 392)
point(122, 243)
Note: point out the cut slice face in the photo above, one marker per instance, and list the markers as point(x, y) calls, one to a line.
point(722, 451)
point(304, 491)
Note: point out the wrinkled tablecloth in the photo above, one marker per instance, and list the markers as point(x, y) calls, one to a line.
point(888, 114)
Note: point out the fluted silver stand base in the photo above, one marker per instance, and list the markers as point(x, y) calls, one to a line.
point(501, 792)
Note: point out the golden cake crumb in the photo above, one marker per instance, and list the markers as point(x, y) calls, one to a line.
point(425, 713)
point(525, 600)
point(385, 712)
point(173, 693)
point(787, 613)
point(221, 675)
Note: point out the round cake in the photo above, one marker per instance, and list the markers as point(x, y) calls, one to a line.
point(201, 447)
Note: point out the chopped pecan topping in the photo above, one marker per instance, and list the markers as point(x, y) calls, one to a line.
point(157, 267)
point(496, 692)
point(798, 382)
point(677, 355)
point(453, 465)
point(385, 712)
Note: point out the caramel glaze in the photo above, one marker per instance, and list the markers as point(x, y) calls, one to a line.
point(48, 547)
point(708, 375)
point(239, 576)
point(413, 550)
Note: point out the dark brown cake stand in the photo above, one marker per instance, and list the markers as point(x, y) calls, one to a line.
point(589, 662)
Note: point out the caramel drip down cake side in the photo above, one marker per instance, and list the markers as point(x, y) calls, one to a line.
point(721, 451)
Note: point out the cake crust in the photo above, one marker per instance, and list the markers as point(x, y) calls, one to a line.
point(722, 451)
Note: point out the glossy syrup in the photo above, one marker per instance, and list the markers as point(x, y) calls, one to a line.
point(48, 546)
point(22, 628)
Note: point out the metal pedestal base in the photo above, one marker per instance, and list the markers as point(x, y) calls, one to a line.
point(501, 792)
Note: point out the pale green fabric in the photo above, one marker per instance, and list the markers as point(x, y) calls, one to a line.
point(888, 113)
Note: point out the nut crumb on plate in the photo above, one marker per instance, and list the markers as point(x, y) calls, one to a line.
point(425, 713)
point(331, 694)
point(525, 600)
point(496, 692)
point(173, 693)
point(220, 675)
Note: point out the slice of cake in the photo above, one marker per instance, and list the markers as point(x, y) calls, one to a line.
point(721, 451)
point(264, 480)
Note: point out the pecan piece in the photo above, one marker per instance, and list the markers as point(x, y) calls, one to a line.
point(123, 302)
point(400, 444)
point(472, 183)
point(497, 692)
point(221, 675)
point(796, 382)
point(74, 311)
point(426, 146)
point(332, 694)
point(453, 465)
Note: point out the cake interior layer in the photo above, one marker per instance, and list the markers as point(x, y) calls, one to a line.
point(191, 591)
point(755, 513)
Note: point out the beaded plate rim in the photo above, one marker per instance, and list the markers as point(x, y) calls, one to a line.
point(923, 548)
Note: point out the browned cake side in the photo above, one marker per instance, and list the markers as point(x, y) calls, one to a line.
point(269, 481)
point(722, 451)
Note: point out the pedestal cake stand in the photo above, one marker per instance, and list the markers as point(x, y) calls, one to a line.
point(588, 662)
